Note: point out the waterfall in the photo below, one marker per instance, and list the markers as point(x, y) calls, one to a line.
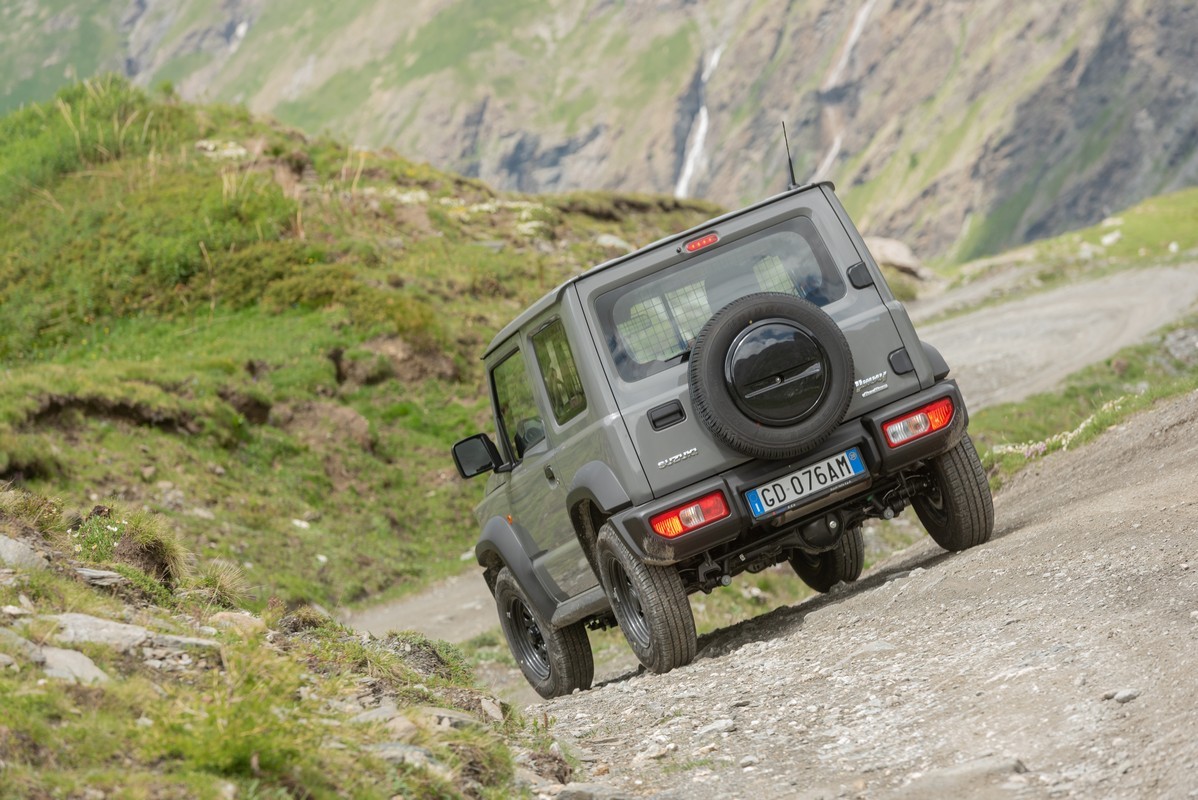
point(854, 34)
point(697, 140)
point(831, 115)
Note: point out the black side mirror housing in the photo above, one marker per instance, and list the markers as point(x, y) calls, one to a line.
point(476, 455)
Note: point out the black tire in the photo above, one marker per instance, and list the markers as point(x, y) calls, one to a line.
point(555, 661)
point(844, 562)
point(958, 510)
point(649, 603)
point(715, 402)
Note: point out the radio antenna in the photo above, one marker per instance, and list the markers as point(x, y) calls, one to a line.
point(790, 164)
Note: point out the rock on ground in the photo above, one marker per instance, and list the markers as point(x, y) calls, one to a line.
point(18, 555)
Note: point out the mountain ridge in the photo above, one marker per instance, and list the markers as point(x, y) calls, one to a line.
point(962, 128)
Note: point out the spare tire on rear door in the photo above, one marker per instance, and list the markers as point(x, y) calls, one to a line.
point(771, 375)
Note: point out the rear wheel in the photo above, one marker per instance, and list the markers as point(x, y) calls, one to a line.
point(957, 510)
point(844, 562)
point(649, 603)
point(555, 661)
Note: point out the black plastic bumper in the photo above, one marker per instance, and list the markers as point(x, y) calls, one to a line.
point(865, 433)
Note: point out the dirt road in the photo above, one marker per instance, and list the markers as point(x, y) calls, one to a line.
point(1010, 351)
point(1056, 661)
point(999, 353)
point(455, 609)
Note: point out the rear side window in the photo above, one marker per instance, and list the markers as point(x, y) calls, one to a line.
point(651, 323)
point(559, 372)
point(520, 424)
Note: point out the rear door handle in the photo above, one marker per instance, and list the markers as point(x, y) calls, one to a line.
point(549, 476)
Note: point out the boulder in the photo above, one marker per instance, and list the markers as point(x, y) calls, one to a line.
point(17, 554)
point(71, 665)
point(896, 254)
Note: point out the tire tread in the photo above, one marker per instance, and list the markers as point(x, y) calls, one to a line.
point(965, 492)
point(673, 642)
point(842, 563)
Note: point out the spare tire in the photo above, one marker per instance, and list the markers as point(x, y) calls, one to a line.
point(771, 375)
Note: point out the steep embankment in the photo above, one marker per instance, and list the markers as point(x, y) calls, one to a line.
point(962, 128)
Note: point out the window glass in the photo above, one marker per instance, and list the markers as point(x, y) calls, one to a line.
point(559, 372)
point(653, 321)
point(520, 423)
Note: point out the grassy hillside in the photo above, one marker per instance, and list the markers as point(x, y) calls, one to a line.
point(154, 685)
point(269, 339)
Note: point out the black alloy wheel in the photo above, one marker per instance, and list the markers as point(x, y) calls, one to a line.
point(625, 597)
point(555, 661)
point(528, 645)
point(649, 603)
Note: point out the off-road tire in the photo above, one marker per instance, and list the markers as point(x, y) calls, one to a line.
point(958, 511)
point(556, 661)
point(844, 562)
point(712, 398)
point(650, 605)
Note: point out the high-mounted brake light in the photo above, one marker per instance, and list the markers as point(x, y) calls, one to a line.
point(695, 514)
point(695, 245)
point(929, 419)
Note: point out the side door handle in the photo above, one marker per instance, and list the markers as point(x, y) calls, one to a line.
point(549, 476)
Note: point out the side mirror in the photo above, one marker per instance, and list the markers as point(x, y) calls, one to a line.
point(476, 455)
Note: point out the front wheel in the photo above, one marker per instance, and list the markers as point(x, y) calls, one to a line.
point(957, 510)
point(844, 562)
point(555, 661)
point(649, 603)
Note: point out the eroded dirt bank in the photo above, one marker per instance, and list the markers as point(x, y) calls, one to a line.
point(1056, 661)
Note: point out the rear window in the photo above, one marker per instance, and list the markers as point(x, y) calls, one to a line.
point(652, 323)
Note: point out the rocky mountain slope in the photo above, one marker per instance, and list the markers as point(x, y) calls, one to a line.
point(961, 127)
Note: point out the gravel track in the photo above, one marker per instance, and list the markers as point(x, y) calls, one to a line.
point(980, 674)
point(1056, 661)
point(1008, 352)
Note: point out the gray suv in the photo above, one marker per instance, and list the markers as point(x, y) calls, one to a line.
point(745, 393)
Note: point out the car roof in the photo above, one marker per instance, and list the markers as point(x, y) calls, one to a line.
point(551, 298)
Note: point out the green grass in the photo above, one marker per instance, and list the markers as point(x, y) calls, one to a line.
point(667, 55)
point(269, 715)
point(1012, 435)
point(169, 322)
point(50, 41)
point(462, 34)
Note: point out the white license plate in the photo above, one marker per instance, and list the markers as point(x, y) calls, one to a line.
point(779, 494)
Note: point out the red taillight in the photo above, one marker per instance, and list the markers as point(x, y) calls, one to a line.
point(695, 514)
point(929, 419)
point(703, 241)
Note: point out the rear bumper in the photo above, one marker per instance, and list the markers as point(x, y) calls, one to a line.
point(865, 433)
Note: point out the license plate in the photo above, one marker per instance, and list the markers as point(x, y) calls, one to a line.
point(813, 479)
